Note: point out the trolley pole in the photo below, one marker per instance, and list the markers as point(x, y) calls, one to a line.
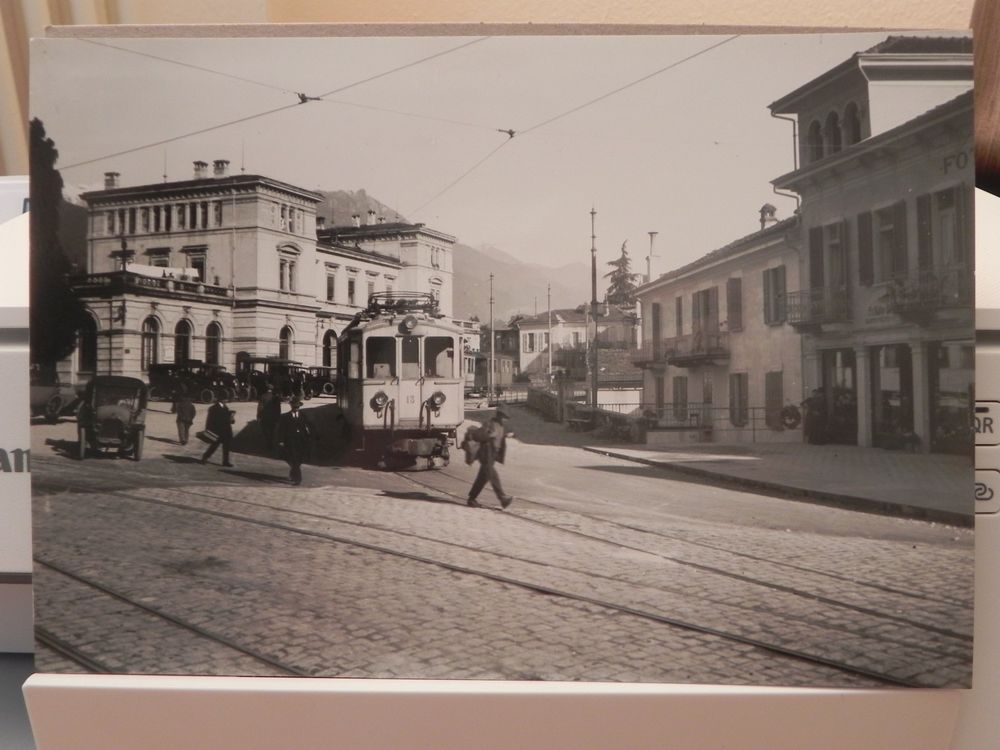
point(593, 317)
point(493, 339)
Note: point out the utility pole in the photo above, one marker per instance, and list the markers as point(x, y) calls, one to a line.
point(649, 258)
point(593, 317)
point(549, 295)
point(493, 338)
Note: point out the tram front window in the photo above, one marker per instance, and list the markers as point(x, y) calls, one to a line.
point(439, 357)
point(411, 357)
point(380, 357)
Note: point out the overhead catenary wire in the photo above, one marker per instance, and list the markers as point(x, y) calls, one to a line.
point(192, 66)
point(301, 99)
point(511, 133)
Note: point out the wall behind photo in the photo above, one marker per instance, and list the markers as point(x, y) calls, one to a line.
point(22, 19)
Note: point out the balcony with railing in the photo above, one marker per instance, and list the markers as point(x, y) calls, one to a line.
point(919, 295)
point(701, 348)
point(810, 309)
point(125, 282)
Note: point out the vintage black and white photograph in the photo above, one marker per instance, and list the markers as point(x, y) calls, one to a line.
point(607, 358)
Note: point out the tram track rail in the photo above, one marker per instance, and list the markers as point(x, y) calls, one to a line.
point(658, 618)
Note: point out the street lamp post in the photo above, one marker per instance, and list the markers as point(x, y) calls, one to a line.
point(593, 318)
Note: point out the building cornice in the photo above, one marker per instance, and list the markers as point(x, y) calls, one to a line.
point(207, 187)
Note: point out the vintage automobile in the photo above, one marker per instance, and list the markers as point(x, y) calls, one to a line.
point(321, 381)
point(49, 398)
point(286, 376)
point(112, 416)
point(201, 381)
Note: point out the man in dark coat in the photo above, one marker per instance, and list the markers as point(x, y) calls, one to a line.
point(294, 440)
point(184, 409)
point(268, 413)
point(492, 439)
point(220, 422)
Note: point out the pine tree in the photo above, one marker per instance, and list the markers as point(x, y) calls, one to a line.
point(56, 313)
point(621, 290)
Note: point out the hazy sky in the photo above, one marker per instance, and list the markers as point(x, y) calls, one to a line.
point(688, 153)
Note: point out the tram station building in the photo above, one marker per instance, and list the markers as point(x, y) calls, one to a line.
point(223, 267)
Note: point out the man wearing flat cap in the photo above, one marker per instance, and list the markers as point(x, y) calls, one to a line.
point(492, 439)
point(293, 437)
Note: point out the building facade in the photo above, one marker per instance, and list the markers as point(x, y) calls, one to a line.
point(886, 178)
point(569, 338)
point(223, 267)
point(719, 359)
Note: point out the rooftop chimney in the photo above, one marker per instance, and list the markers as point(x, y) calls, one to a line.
point(221, 167)
point(371, 216)
point(321, 222)
point(200, 170)
point(111, 180)
point(767, 215)
point(356, 219)
point(381, 220)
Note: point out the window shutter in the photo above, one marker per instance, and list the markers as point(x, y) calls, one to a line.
point(900, 264)
point(866, 265)
point(734, 304)
point(816, 275)
point(845, 252)
point(696, 299)
point(925, 257)
point(779, 294)
point(679, 315)
point(767, 296)
point(713, 310)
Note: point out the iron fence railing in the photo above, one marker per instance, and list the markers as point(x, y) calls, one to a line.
point(817, 306)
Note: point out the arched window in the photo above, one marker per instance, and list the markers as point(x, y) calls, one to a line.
point(814, 142)
point(330, 349)
point(852, 124)
point(213, 343)
point(833, 138)
point(150, 353)
point(87, 347)
point(285, 343)
point(182, 341)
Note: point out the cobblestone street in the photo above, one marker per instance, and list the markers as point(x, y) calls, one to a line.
point(601, 570)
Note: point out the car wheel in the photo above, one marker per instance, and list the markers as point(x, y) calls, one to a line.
point(328, 389)
point(206, 396)
point(53, 407)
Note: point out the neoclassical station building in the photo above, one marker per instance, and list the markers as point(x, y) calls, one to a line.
point(224, 266)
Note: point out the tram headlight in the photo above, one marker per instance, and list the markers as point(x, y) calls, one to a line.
point(409, 323)
point(437, 398)
point(379, 400)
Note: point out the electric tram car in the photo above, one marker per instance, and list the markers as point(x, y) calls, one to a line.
point(400, 381)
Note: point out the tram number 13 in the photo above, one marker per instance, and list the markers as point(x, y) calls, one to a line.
point(411, 399)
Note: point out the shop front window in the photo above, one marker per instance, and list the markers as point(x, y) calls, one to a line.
point(837, 401)
point(951, 379)
point(892, 395)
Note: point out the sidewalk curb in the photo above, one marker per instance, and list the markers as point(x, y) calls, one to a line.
point(800, 494)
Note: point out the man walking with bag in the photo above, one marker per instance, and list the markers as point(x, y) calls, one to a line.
point(492, 439)
point(219, 430)
point(294, 440)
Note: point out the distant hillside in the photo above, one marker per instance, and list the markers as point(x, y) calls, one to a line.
point(516, 285)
